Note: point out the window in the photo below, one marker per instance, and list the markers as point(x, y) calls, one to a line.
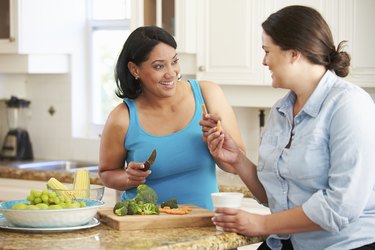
point(109, 24)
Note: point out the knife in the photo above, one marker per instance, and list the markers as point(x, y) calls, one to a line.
point(150, 160)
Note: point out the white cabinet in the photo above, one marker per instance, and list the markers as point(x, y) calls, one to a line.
point(177, 17)
point(37, 26)
point(229, 47)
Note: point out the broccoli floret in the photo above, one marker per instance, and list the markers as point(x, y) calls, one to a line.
point(145, 202)
point(133, 207)
point(172, 203)
point(120, 208)
point(150, 209)
point(146, 194)
point(122, 211)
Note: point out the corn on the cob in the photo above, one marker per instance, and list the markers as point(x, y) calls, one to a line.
point(81, 184)
point(55, 185)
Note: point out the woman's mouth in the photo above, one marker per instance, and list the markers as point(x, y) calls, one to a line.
point(167, 83)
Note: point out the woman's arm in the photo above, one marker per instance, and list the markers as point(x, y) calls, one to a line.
point(113, 153)
point(286, 222)
point(219, 108)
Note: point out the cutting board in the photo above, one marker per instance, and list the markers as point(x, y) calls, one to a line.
point(198, 217)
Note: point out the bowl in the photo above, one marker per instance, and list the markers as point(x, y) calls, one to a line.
point(54, 218)
point(96, 192)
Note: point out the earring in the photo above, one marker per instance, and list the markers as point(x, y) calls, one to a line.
point(136, 77)
point(179, 77)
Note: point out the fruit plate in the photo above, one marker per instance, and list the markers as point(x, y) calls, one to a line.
point(54, 218)
point(6, 225)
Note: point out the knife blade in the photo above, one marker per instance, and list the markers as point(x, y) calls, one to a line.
point(150, 160)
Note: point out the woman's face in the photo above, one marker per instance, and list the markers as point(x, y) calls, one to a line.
point(160, 72)
point(278, 62)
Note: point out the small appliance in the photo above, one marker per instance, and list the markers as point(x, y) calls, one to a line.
point(17, 144)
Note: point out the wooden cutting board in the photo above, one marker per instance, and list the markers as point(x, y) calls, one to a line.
point(198, 217)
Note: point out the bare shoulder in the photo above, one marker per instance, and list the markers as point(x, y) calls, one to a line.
point(210, 90)
point(119, 117)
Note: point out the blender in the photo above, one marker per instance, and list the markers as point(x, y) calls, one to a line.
point(17, 144)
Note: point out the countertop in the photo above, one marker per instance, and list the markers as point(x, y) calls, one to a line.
point(104, 237)
point(67, 177)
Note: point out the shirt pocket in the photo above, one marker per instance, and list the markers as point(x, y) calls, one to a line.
point(309, 157)
point(267, 149)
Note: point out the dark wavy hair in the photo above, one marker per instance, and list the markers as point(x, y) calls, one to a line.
point(137, 49)
point(304, 29)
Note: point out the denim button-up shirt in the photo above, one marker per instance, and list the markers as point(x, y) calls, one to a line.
point(329, 168)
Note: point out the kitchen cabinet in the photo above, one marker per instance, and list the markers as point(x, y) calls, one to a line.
point(229, 46)
point(35, 35)
point(36, 26)
point(177, 17)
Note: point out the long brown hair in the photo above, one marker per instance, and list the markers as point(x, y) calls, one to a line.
point(304, 29)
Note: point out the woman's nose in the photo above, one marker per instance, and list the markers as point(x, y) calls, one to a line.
point(264, 61)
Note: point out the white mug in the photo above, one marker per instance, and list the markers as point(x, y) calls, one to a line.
point(226, 199)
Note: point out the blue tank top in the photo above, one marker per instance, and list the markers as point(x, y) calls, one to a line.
point(184, 168)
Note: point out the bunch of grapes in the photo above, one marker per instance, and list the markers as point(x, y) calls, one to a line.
point(47, 199)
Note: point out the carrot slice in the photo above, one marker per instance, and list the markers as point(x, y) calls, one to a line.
point(218, 126)
point(204, 109)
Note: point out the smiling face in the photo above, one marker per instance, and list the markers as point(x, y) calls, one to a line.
point(279, 62)
point(159, 72)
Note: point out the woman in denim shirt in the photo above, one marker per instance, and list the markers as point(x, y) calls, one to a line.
point(316, 169)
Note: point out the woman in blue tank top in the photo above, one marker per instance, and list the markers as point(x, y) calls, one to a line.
point(160, 111)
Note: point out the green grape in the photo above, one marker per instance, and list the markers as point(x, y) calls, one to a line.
point(47, 199)
point(74, 204)
point(30, 198)
point(20, 206)
point(64, 205)
point(42, 206)
point(52, 194)
point(37, 200)
point(54, 207)
point(45, 191)
point(35, 193)
point(56, 200)
point(32, 207)
point(44, 197)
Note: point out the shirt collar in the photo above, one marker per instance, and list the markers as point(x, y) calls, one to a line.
point(316, 99)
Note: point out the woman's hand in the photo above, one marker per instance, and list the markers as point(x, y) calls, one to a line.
point(135, 174)
point(208, 122)
point(239, 221)
point(222, 146)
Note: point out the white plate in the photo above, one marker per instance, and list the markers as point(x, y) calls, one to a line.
point(4, 224)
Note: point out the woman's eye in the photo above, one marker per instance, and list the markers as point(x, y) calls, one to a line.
point(158, 66)
point(175, 61)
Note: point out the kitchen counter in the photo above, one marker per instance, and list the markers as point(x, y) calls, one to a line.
point(104, 237)
point(67, 177)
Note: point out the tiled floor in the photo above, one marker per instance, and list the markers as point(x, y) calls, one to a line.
point(253, 206)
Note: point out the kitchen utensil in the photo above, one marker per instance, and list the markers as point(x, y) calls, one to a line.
point(150, 160)
point(198, 217)
point(17, 144)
